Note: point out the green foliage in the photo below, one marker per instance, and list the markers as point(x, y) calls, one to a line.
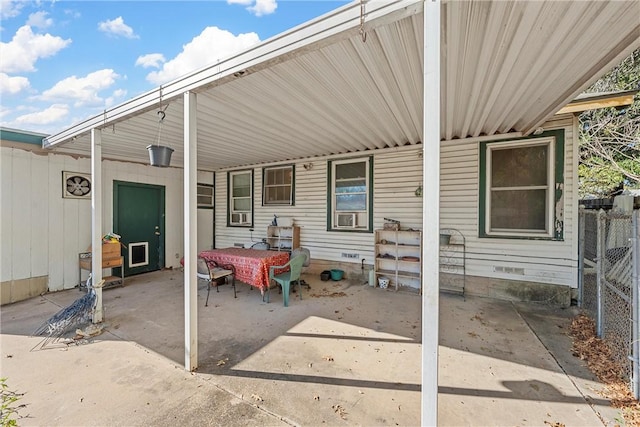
point(610, 137)
point(598, 177)
point(9, 407)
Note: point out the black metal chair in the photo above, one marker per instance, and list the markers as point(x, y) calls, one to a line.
point(215, 275)
point(263, 245)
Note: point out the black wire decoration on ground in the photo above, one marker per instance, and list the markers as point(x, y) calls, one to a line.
point(67, 319)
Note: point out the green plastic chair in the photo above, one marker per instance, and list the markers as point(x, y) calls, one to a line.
point(285, 279)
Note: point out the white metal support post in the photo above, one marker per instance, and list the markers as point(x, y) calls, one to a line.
point(430, 212)
point(96, 220)
point(190, 233)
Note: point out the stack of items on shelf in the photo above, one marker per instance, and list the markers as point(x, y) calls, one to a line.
point(111, 258)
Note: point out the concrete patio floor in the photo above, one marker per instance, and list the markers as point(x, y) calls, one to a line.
point(347, 354)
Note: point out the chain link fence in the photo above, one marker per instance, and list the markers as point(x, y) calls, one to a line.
point(609, 262)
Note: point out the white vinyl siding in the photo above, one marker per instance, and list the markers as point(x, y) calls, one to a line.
point(396, 175)
point(42, 233)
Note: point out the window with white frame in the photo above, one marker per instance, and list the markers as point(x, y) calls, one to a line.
point(521, 187)
point(277, 185)
point(205, 196)
point(240, 202)
point(350, 199)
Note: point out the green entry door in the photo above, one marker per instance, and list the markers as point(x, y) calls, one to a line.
point(138, 217)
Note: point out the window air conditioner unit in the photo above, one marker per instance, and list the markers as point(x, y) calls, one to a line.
point(239, 218)
point(347, 220)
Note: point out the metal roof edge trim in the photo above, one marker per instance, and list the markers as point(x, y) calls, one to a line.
point(306, 35)
point(482, 138)
point(397, 149)
point(17, 135)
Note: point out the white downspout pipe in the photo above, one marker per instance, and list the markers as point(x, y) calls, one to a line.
point(96, 220)
point(430, 212)
point(190, 233)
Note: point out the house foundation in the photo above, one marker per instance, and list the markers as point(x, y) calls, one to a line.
point(18, 290)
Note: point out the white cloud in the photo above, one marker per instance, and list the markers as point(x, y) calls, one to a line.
point(12, 85)
point(54, 113)
point(152, 60)
point(11, 8)
point(22, 52)
point(263, 7)
point(117, 27)
point(84, 90)
point(257, 7)
point(117, 95)
point(39, 20)
point(212, 45)
point(71, 13)
point(4, 111)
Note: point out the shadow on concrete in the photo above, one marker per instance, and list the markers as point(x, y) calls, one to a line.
point(373, 336)
point(533, 390)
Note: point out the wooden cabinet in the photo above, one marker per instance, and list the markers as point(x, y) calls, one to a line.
point(399, 257)
point(283, 238)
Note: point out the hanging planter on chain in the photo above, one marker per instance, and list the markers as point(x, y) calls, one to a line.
point(160, 155)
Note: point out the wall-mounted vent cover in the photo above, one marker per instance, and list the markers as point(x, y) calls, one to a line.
point(76, 185)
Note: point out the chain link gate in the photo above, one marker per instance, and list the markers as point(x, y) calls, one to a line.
point(608, 283)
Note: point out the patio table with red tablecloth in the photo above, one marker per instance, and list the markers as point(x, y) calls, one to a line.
point(252, 265)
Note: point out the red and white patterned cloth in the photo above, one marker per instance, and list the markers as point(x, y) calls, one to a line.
point(252, 265)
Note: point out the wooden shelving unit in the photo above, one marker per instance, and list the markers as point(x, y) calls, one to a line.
point(399, 257)
point(283, 238)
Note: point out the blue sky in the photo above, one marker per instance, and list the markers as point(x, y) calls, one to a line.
point(64, 61)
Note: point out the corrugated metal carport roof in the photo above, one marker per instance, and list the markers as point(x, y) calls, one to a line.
point(319, 89)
